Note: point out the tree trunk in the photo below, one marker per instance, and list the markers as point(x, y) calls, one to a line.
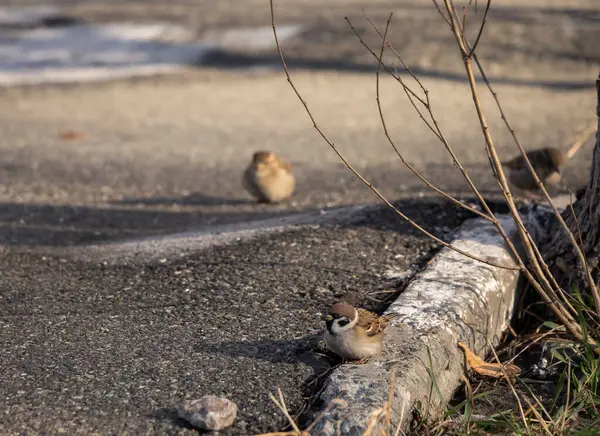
point(558, 249)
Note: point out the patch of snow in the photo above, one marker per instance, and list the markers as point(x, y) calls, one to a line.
point(92, 52)
point(86, 52)
point(255, 38)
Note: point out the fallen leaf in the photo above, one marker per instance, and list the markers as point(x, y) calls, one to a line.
point(489, 369)
point(70, 135)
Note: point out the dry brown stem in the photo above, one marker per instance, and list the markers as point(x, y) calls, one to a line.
point(355, 172)
point(391, 141)
point(578, 250)
point(438, 133)
point(543, 286)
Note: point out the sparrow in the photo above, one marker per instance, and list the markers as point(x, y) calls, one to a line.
point(269, 178)
point(546, 162)
point(354, 334)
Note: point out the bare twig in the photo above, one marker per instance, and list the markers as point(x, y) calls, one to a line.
point(393, 144)
point(483, 21)
point(579, 251)
point(444, 17)
point(529, 241)
point(547, 292)
point(544, 288)
point(397, 77)
point(280, 403)
point(581, 140)
point(356, 173)
point(512, 387)
point(437, 131)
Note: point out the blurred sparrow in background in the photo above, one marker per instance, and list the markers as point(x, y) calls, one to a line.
point(269, 178)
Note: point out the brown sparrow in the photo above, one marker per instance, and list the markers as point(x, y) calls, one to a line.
point(354, 334)
point(546, 162)
point(269, 178)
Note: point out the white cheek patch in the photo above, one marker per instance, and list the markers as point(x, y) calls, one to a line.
point(337, 328)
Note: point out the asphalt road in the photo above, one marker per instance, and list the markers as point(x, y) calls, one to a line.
point(113, 348)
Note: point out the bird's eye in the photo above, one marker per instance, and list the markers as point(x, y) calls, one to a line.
point(343, 322)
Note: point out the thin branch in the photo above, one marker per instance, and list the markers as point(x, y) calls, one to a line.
point(581, 140)
point(355, 172)
point(485, 15)
point(451, 9)
point(578, 251)
point(565, 296)
point(547, 292)
point(439, 9)
point(510, 383)
point(437, 130)
point(397, 77)
point(406, 68)
point(552, 297)
point(530, 246)
point(393, 144)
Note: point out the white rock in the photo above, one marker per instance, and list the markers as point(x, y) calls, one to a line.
point(209, 412)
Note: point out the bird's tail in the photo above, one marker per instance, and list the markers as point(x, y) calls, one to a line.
point(580, 141)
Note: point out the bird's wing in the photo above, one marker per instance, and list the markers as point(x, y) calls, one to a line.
point(285, 165)
point(372, 323)
point(515, 163)
point(542, 160)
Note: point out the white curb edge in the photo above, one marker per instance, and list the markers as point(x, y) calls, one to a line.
point(454, 299)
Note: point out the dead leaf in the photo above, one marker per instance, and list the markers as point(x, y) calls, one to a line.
point(489, 369)
point(70, 135)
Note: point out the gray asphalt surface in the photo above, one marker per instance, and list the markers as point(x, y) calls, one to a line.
point(114, 348)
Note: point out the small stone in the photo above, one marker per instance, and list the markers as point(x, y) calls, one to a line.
point(209, 412)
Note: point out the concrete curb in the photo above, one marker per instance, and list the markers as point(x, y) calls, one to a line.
point(455, 298)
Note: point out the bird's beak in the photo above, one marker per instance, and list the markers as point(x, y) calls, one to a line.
point(327, 318)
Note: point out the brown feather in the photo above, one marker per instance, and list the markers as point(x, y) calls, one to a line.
point(285, 165)
point(545, 158)
point(372, 323)
point(343, 309)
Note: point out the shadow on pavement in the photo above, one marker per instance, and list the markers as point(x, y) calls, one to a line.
point(272, 350)
point(66, 225)
point(232, 60)
point(23, 224)
point(171, 415)
point(193, 199)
